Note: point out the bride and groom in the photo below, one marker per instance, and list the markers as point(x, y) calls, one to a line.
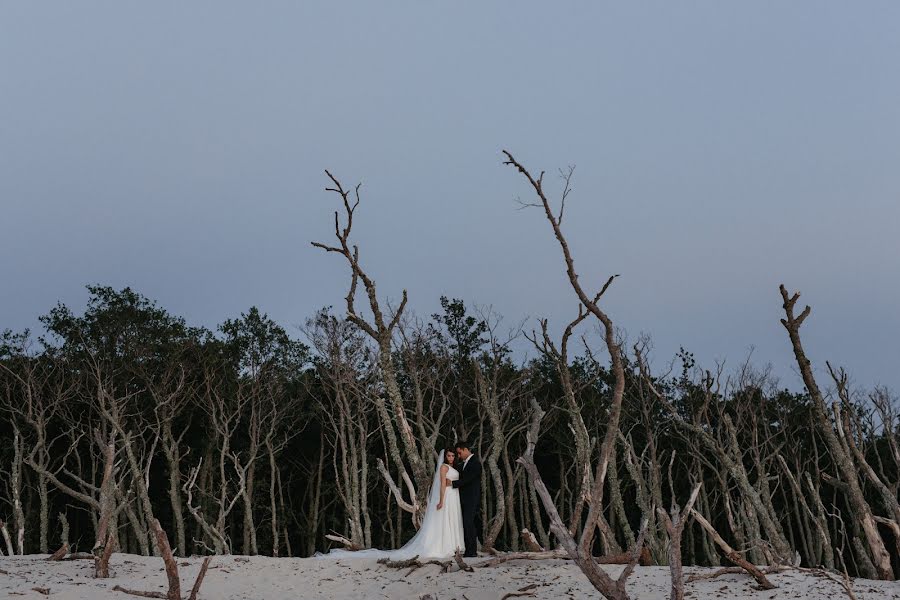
point(452, 514)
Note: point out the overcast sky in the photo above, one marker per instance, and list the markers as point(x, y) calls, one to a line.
point(721, 149)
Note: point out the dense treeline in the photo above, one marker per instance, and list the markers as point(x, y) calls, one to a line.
point(249, 440)
point(252, 439)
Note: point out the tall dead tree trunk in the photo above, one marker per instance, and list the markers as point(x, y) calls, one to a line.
point(838, 451)
point(381, 330)
point(582, 550)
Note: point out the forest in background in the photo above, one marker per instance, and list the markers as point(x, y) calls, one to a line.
point(251, 439)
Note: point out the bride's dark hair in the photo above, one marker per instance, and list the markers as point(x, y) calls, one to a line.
point(452, 451)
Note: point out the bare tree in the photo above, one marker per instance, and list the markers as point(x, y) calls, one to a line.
point(224, 412)
point(674, 521)
point(381, 330)
point(581, 552)
point(836, 440)
point(344, 366)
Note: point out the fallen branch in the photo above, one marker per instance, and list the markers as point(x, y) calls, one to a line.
point(623, 558)
point(171, 566)
point(458, 557)
point(522, 591)
point(546, 554)
point(732, 554)
point(347, 543)
point(140, 593)
point(732, 571)
point(398, 564)
point(199, 581)
point(414, 564)
point(59, 554)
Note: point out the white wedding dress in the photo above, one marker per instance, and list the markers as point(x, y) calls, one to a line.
point(441, 533)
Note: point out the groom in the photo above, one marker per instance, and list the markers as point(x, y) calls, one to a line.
point(469, 486)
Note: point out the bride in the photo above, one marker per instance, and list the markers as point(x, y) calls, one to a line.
point(441, 533)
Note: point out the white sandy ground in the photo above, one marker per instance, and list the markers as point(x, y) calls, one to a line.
point(265, 578)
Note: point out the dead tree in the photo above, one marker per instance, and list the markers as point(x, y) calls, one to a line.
point(614, 589)
point(171, 393)
point(224, 412)
point(731, 554)
point(722, 442)
point(276, 437)
point(35, 403)
point(381, 329)
point(106, 530)
point(583, 442)
point(886, 413)
point(496, 393)
point(131, 429)
point(823, 552)
point(345, 369)
point(837, 447)
point(582, 551)
point(674, 521)
point(171, 568)
point(850, 430)
point(15, 490)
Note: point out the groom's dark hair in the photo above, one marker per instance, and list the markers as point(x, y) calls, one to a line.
point(463, 445)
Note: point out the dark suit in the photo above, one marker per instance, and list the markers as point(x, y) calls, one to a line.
point(469, 486)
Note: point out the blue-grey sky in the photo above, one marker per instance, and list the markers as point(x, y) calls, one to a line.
point(721, 149)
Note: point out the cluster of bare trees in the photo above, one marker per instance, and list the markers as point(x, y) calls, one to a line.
point(249, 440)
point(129, 417)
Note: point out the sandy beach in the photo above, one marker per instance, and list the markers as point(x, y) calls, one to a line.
point(266, 578)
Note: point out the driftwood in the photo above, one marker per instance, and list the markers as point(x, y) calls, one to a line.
point(504, 558)
point(348, 544)
point(623, 558)
point(732, 554)
point(140, 593)
point(414, 563)
point(199, 581)
point(733, 571)
point(531, 543)
point(842, 580)
point(528, 590)
point(171, 566)
point(458, 557)
point(399, 564)
point(59, 554)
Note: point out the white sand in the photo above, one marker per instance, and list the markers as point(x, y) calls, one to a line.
point(263, 578)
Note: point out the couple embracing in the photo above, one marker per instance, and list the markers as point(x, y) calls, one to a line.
point(451, 521)
point(459, 501)
point(451, 516)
